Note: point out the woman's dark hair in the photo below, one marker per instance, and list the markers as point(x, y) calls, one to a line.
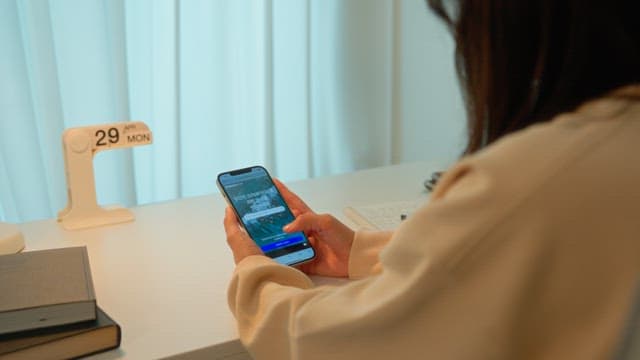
point(525, 61)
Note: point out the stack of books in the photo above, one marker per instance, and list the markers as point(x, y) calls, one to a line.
point(48, 307)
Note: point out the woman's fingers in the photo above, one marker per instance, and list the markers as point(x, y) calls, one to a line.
point(295, 203)
point(239, 242)
point(307, 222)
point(231, 225)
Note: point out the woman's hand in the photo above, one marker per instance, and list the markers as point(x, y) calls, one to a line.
point(330, 238)
point(239, 241)
point(331, 241)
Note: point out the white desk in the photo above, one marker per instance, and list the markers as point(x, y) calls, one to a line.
point(164, 277)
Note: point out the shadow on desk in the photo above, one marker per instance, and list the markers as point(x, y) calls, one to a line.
point(232, 350)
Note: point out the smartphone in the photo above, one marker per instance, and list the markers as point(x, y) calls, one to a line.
point(262, 211)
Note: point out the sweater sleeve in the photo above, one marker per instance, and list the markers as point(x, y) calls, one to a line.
point(365, 250)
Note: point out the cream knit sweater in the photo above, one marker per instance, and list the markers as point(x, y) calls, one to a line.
point(529, 249)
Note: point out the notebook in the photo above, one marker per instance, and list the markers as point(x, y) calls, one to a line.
point(45, 288)
point(382, 216)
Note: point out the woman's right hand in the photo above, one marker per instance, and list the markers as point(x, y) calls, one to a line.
point(330, 238)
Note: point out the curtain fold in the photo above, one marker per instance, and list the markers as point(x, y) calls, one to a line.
point(152, 35)
point(21, 151)
point(305, 87)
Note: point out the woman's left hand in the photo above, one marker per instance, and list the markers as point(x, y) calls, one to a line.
point(239, 241)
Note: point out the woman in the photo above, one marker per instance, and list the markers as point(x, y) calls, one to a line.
point(529, 246)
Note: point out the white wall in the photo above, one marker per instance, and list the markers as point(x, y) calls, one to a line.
point(430, 104)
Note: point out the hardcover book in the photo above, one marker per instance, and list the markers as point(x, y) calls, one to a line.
point(64, 341)
point(45, 288)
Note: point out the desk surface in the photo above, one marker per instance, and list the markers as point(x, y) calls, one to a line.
point(164, 277)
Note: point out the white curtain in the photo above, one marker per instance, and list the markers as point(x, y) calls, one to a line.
point(304, 87)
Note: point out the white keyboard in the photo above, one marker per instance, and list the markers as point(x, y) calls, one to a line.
point(384, 216)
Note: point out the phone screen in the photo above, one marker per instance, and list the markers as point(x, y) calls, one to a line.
point(263, 212)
